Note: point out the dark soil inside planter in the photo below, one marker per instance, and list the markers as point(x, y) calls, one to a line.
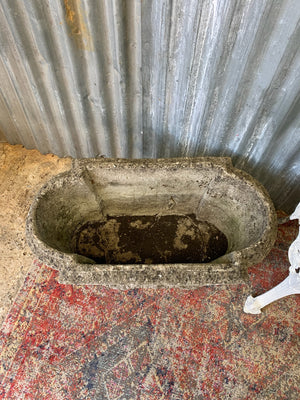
point(150, 239)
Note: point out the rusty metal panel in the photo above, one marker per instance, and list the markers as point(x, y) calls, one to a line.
point(157, 78)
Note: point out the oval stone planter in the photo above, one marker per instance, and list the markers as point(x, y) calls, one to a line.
point(152, 223)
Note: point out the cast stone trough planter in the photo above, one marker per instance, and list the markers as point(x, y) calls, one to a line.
point(182, 222)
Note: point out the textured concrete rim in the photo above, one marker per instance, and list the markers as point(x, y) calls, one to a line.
point(228, 269)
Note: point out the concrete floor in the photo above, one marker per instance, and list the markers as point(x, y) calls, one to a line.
point(22, 173)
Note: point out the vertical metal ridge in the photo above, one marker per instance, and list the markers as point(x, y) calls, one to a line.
point(212, 51)
point(232, 79)
point(270, 76)
point(156, 17)
point(13, 116)
point(99, 93)
point(271, 118)
point(12, 87)
point(90, 90)
point(115, 76)
point(80, 27)
point(79, 40)
point(134, 77)
point(63, 72)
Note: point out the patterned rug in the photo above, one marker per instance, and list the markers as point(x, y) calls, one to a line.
point(65, 342)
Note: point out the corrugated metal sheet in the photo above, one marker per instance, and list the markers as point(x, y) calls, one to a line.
point(2, 137)
point(157, 78)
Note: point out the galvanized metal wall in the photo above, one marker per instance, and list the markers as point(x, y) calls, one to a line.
point(157, 78)
point(2, 137)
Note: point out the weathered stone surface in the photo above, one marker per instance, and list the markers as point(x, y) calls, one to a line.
point(95, 189)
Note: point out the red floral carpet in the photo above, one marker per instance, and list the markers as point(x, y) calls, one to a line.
point(64, 342)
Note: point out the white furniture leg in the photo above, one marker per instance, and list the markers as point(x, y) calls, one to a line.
point(291, 285)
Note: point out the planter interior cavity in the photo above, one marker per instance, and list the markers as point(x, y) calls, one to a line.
point(150, 239)
point(152, 223)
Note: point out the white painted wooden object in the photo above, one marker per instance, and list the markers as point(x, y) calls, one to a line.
point(291, 285)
